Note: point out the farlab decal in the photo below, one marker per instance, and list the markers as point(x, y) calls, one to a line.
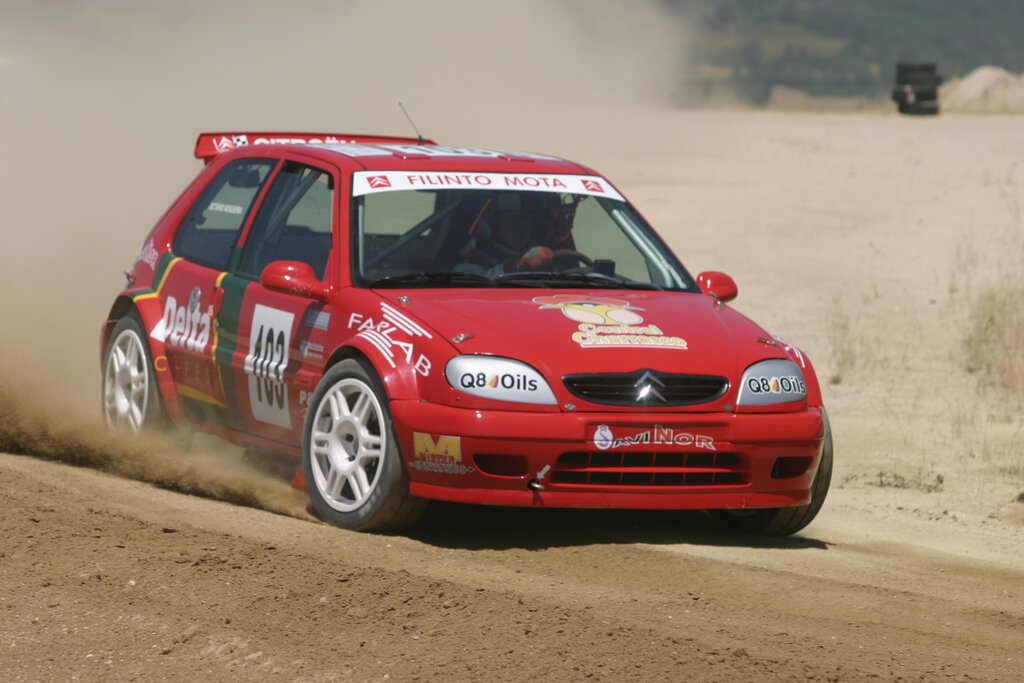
point(605, 322)
point(393, 334)
point(269, 340)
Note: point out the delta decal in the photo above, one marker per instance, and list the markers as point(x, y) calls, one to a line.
point(605, 322)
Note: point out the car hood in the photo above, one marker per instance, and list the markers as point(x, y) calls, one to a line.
point(563, 332)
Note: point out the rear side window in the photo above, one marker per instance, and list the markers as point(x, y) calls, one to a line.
point(210, 229)
point(294, 222)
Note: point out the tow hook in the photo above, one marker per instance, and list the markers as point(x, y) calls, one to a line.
point(535, 484)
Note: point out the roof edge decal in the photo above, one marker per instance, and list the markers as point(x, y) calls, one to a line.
point(209, 145)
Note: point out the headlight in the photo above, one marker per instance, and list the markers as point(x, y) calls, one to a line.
point(772, 381)
point(499, 379)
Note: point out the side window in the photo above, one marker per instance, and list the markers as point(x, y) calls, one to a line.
point(208, 232)
point(594, 232)
point(294, 223)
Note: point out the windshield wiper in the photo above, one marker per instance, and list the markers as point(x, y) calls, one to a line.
point(430, 279)
point(591, 279)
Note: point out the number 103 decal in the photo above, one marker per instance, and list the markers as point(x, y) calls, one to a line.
point(269, 340)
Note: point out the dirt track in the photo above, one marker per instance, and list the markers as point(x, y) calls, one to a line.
point(108, 579)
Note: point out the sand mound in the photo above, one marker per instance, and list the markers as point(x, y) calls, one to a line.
point(987, 89)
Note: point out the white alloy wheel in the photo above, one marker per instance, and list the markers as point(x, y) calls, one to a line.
point(126, 386)
point(348, 443)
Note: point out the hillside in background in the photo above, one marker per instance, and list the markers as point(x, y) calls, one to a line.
point(840, 48)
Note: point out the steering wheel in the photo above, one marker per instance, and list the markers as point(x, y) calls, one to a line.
point(572, 253)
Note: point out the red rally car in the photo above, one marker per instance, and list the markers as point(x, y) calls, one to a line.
point(410, 322)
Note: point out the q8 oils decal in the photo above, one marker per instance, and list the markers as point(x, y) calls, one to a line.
point(269, 340)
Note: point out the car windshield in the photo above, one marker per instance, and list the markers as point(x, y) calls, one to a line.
point(442, 237)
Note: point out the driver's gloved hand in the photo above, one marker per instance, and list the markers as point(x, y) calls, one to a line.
point(535, 258)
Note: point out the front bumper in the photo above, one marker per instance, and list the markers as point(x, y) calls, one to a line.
point(609, 459)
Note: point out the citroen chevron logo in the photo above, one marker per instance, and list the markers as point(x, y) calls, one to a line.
point(647, 387)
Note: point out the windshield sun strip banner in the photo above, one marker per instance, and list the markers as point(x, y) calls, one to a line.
point(372, 182)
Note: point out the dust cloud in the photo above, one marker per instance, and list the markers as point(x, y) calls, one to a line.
point(100, 103)
point(29, 428)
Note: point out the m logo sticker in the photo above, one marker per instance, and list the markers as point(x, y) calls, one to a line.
point(444, 448)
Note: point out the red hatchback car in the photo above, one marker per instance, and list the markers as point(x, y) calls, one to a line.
point(410, 322)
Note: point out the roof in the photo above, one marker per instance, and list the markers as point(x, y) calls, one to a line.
point(378, 152)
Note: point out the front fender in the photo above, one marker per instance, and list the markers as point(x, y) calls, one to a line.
point(401, 379)
point(408, 355)
point(810, 375)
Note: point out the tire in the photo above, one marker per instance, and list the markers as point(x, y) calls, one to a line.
point(785, 521)
point(130, 397)
point(350, 459)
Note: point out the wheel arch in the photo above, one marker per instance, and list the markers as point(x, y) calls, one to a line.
point(399, 382)
point(120, 308)
point(149, 311)
point(814, 397)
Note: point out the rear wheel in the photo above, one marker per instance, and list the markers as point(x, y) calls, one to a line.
point(131, 399)
point(785, 521)
point(350, 459)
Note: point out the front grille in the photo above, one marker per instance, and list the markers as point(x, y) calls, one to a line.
point(662, 388)
point(604, 468)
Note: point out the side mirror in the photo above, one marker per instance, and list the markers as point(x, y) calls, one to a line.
point(293, 277)
point(718, 285)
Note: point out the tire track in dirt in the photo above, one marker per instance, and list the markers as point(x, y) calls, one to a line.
point(483, 593)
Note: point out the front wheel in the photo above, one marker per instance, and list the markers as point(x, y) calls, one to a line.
point(785, 521)
point(350, 457)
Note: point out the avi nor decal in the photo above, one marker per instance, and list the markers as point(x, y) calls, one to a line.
point(604, 438)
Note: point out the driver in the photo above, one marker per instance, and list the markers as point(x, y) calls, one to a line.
point(507, 236)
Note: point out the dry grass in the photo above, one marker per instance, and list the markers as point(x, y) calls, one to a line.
point(995, 339)
point(927, 481)
point(842, 353)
